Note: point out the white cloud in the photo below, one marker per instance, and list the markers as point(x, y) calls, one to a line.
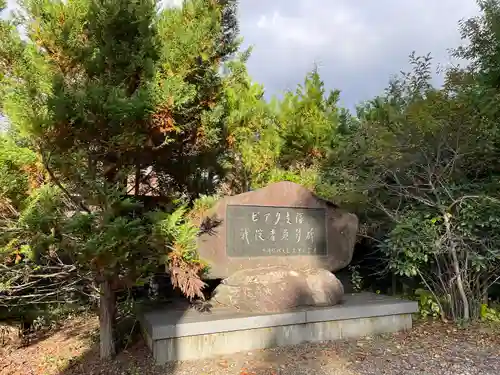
point(291, 30)
point(314, 31)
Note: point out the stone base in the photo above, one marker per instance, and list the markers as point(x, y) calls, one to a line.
point(275, 289)
point(176, 335)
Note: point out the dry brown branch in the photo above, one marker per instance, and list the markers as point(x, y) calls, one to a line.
point(186, 276)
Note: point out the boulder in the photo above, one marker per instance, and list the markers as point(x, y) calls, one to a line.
point(281, 224)
point(278, 289)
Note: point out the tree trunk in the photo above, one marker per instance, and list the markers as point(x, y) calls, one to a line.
point(460, 285)
point(107, 306)
point(456, 269)
point(137, 181)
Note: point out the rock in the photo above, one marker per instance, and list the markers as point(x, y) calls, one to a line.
point(256, 229)
point(277, 289)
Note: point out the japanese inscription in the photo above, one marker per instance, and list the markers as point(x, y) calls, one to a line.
point(254, 231)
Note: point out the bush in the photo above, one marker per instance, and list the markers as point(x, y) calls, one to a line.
point(454, 252)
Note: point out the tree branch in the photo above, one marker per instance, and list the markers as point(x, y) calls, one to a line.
point(54, 179)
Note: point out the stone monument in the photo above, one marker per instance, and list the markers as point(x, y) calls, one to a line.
point(276, 248)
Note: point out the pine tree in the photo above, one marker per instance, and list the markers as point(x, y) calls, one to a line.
point(105, 89)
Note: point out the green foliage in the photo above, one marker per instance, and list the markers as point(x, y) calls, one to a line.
point(356, 278)
point(300, 175)
point(425, 244)
point(43, 209)
point(411, 244)
point(179, 233)
point(308, 122)
point(205, 202)
point(112, 244)
point(38, 280)
point(36, 229)
point(15, 162)
point(198, 212)
point(252, 139)
point(427, 305)
point(286, 139)
point(101, 92)
point(424, 163)
point(426, 169)
point(490, 314)
point(115, 100)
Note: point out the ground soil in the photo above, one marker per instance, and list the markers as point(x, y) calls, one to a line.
point(432, 348)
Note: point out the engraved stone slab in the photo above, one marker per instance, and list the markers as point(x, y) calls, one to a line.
point(308, 232)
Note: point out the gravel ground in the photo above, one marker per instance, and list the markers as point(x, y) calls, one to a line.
point(430, 348)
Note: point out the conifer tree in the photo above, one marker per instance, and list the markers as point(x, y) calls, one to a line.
point(106, 89)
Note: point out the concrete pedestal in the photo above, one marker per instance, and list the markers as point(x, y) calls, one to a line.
point(175, 334)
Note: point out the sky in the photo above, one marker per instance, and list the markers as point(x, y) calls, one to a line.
point(357, 44)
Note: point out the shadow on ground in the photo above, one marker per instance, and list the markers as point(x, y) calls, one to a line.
point(432, 348)
point(74, 350)
point(133, 357)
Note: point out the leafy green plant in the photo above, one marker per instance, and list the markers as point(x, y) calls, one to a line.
point(437, 246)
point(490, 314)
point(20, 171)
point(356, 278)
point(179, 235)
point(427, 305)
